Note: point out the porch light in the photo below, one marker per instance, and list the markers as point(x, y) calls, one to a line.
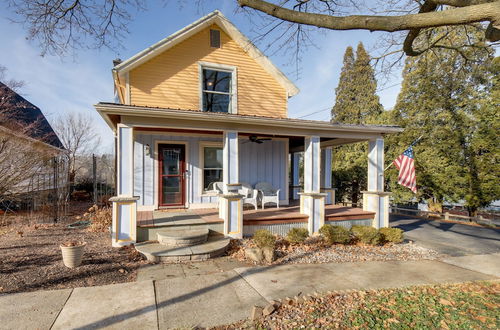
point(147, 150)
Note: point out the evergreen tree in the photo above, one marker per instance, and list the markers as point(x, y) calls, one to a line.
point(450, 99)
point(356, 99)
point(356, 103)
point(344, 92)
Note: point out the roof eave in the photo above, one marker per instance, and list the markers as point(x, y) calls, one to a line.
point(106, 109)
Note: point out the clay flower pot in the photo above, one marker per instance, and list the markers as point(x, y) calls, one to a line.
point(72, 253)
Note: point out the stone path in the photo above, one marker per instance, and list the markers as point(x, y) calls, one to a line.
point(213, 293)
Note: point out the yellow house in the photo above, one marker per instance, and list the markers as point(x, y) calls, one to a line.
point(201, 125)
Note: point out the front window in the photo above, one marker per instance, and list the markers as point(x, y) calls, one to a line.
point(217, 90)
point(212, 166)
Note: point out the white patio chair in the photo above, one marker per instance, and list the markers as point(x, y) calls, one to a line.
point(216, 187)
point(250, 195)
point(268, 194)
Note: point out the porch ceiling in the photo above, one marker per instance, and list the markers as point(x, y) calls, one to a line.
point(163, 118)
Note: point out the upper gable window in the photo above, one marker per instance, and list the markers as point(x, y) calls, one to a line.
point(215, 38)
point(218, 89)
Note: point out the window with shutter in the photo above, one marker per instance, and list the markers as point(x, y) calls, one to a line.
point(215, 38)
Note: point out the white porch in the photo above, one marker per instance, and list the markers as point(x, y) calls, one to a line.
point(314, 139)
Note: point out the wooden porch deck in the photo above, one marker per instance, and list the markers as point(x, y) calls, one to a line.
point(268, 216)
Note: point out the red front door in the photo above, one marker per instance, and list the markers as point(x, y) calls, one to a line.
point(172, 170)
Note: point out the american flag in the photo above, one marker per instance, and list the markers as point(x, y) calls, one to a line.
point(406, 167)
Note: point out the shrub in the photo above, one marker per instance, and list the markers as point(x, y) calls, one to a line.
point(297, 235)
point(366, 234)
point(393, 235)
point(263, 238)
point(335, 234)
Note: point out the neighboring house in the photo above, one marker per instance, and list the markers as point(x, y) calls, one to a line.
point(28, 145)
point(204, 105)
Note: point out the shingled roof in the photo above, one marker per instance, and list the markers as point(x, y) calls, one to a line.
point(19, 110)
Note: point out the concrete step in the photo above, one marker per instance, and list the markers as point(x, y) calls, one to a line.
point(182, 237)
point(150, 233)
point(215, 246)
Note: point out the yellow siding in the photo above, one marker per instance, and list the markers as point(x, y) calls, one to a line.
point(171, 79)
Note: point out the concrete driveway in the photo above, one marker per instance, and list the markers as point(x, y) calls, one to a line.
point(449, 238)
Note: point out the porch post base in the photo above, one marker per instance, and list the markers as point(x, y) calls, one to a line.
point(378, 202)
point(124, 223)
point(313, 205)
point(231, 209)
point(330, 195)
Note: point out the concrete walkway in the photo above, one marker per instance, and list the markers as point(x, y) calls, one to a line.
point(215, 298)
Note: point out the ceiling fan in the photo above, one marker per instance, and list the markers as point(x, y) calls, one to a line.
point(256, 139)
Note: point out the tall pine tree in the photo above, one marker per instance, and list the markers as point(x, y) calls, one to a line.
point(356, 103)
point(449, 99)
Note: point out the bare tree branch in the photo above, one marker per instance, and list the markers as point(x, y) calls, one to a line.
point(427, 18)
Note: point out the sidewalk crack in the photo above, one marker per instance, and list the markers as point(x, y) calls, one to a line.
point(59, 313)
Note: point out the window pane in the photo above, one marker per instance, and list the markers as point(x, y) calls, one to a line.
point(213, 157)
point(171, 159)
point(210, 176)
point(171, 193)
point(219, 81)
point(216, 102)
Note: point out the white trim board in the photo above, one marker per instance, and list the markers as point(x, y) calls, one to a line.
point(201, 162)
point(215, 17)
point(233, 103)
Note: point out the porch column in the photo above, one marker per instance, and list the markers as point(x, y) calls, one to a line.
point(312, 201)
point(231, 205)
point(295, 175)
point(326, 175)
point(375, 199)
point(124, 204)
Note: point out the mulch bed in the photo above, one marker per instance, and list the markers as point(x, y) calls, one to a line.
point(30, 258)
point(315, 250)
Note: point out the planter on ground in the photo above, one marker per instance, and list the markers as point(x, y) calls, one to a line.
point(72, 253)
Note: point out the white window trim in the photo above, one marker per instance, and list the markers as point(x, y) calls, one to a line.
point(234, 82)
point(203, 192)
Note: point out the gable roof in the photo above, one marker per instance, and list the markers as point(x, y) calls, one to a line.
point(20, 110)
point(215, 17)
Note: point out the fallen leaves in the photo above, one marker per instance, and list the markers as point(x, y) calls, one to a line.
point(413, 307)
point(445, 302)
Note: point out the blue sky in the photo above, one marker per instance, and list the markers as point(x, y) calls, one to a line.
point(75, 83)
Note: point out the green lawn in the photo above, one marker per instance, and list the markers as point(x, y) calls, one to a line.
point(459, 306)
point(465, 306)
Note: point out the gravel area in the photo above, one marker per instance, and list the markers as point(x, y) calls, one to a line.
point(314, 250)
point(352, 253)
point(30, 258)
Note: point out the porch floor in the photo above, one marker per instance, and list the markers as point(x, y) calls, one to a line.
point(270, 215)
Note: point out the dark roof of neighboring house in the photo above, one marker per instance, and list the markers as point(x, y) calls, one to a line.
point(26, 113)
